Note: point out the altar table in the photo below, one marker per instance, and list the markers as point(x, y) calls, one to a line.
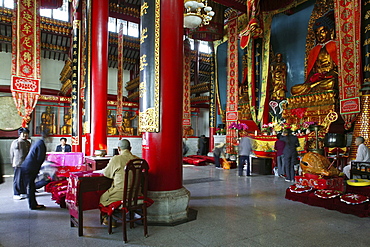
point(83, 193)
point(96, 163)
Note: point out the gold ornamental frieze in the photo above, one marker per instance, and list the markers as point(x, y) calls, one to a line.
point(55, 98)
point(147, 120)
point(316, 107)
point(310, 100)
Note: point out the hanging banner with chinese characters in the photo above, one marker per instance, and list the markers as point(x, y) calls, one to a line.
point(365, 39)
point(348, 23)
point(120, 81)
point(25, 82)
point(186, 119)
point(212, 93)
point(232, 82)
point(149, 66)
point(75, 94)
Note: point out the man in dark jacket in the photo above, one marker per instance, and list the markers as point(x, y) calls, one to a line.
point(30, 168)
point(63, 147)
point(290, 153)
point(202, 145)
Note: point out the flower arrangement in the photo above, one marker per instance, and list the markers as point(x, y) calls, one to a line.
point(266, 128)
point(220, 131)
point(238, 126)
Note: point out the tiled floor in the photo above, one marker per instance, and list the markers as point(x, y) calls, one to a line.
point(232, 211)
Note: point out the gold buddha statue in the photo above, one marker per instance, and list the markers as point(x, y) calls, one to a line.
point(278, 78)
point(47, 121)
point(127, 123)
point(111, 128)
point(67, 127)
point(322, 71)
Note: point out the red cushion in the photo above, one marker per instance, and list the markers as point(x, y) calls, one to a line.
point(115, 205)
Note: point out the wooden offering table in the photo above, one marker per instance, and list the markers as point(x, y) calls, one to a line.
point(96, 163)
point(83, 193)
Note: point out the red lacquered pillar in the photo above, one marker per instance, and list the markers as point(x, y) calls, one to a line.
point(163, 150)
point(99, 74)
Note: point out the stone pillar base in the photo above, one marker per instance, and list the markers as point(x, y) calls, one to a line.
point(169, 207)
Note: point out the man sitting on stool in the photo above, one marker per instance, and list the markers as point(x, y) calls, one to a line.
point(363, 154)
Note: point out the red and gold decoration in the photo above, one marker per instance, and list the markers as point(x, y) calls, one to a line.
point(327, 194)
point(297, 188)
point(186, 117)
point(322, 183)
point(149, 117)
point(348, 22)
point(25, 84)
point(362, 125)
point(120, 81)
point(354, 199)
point(232, 82)
point(75, 94)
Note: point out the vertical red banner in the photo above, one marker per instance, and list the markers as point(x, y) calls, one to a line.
point(232, 82)
point(120, 81)
point(25, 84)
point(186, 119)
point(348, 30)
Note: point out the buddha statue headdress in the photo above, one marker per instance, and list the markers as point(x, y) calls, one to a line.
point(327, 21)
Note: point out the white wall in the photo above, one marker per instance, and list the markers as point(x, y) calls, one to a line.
point(5, 68)
point(112, 81)
point(203, 120)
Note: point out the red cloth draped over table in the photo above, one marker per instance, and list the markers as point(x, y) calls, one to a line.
point(348, 23)
point(91, 199)
point(360, 210)
point(25, 82)
point(67, 162)
point(58, 190)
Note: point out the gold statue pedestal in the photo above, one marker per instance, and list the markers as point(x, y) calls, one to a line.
point(315, 106)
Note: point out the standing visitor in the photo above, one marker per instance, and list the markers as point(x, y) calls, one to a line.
point(18, 152)
point(218, 152)
point(279, 147)
point(202, 145)
point(290, 153)
point(363, 154)
point(31, 167)
point(245, 148)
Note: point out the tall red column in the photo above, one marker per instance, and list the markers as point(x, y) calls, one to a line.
point(99, 74)
point(164, 149)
